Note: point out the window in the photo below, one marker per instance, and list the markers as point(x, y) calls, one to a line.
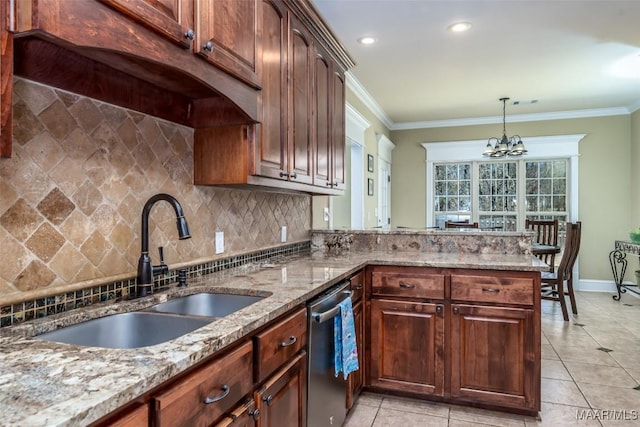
point(501, 194)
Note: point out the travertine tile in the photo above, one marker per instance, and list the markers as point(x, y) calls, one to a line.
point(35, 276)
point(21, 220)
point(585, 355)
point(394, 418)
point(554, 369)
point(361, 416)
point(14, 255)
point(562, 392)
point(370, 399)
point(599, 374)
point(553, 415)
point(107, 161)
point(416, 406)
point(483, 416)
point(610, 398)
point(45, 242)
point(57, 120)
point(548, 352)
point(56, 207)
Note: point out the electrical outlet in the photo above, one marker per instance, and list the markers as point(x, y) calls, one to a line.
point(283, 234)
point(326, 214)
point(219, 242)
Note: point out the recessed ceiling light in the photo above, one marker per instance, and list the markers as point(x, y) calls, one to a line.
point(459, 27)
point(367, 40)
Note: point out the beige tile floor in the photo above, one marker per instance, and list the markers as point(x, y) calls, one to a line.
point(590, 372)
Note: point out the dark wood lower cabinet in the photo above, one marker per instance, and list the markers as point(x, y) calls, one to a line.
point(469, 337)
point(407, 342)
point(492, 355)
point(282, 401)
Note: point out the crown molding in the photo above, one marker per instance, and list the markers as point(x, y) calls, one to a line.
point(364, 96)
point(516, 118)
point(376, 109)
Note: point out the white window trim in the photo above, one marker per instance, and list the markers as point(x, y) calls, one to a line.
point(541, 147)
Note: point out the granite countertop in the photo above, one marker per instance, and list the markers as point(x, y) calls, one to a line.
point(49, 384)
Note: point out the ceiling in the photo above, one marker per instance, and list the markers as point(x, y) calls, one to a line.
point(578, 58)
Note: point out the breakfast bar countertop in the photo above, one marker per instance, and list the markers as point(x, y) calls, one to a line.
point(51, 384)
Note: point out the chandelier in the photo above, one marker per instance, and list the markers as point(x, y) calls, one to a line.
point(500, 147)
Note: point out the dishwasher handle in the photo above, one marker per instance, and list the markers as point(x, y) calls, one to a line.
point(331, 313)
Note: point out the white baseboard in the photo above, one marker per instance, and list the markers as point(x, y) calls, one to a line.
point(589, 285)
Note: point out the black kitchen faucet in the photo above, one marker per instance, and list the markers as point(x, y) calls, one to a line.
point(145, 269)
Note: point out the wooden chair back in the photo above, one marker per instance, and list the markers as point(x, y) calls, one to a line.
point(546, 234)
point(460, 224)
point(571, 250)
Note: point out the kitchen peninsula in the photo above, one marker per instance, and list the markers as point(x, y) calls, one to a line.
point(45, 383)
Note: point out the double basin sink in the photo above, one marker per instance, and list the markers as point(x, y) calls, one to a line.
point(154, 325)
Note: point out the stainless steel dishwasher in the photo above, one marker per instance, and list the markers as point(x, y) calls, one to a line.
point(326, 393)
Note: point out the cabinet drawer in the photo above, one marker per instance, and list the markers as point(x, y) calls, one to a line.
point(357, 287)
point(510, 290)
point(279, 343)
point(207, 393)
point(412, 283)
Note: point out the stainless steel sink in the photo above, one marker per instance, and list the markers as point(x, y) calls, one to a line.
point(206, 304)
point(126, 330)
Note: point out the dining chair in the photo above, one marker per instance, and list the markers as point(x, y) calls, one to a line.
point(460, 224)
point(553, 283)
point(546, 234)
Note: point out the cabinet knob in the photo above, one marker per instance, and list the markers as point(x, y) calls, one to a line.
point(208, 46)
point(335, 184)
point(255, 414)
point(292, 341)
point(456, 310)
point(293, 175)
point(358, 287)
point(268, 400)
point(439, 309)
point(329, 184)
point(225, 391)
point(284, 175)
point(189, 34)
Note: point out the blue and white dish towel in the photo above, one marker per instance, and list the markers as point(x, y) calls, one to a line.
point(344, 339)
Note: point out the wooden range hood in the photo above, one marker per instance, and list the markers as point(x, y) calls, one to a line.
point(86, 48)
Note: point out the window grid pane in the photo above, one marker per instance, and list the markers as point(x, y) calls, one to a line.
point(452, 198)
point(545, 184)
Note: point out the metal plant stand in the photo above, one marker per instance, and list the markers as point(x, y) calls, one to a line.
point(618, 261)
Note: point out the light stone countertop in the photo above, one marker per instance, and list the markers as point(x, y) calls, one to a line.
point(50, 384)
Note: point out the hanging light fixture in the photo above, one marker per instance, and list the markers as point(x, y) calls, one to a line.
point(500, 147)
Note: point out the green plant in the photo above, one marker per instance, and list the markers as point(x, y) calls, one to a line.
point(634, 235)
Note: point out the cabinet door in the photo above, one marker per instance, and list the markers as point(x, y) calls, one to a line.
point(407, 346)
point(338, 141)
point(493, 356)
point(226, 36)
point(207, 393)
point(322, 157)
point(6, 81)
point(300, 112)
point(271, 150)
point(355, 381)
point(282, 401)
point(173, 19)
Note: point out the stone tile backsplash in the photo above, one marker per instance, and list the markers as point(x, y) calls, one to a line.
point(71, 196)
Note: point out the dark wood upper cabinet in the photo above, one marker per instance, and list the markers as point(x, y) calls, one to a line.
point(6, 81)
point(322, 154)
point(227, 36)
point(172, 19)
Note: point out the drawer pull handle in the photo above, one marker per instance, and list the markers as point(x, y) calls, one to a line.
point(292, 341)
point(358, 287)
point(407, 285)
point(491, 290)
point(225, 391)
point(268, 400)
